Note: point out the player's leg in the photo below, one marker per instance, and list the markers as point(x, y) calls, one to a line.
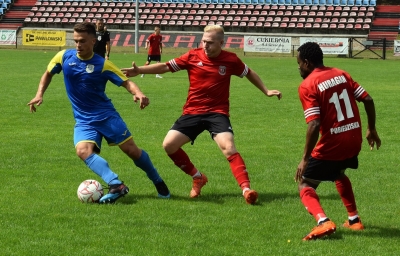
point(221, 132)
point(88, 141)
point(226, 144)
point(345, 190)
point(147, 63)
point(183, 131)
point(116, 132)
point(158, 59)
point(143, 161)
point(312, 177)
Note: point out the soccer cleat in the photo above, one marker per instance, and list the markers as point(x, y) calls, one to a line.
point(158, 76)
point(115, 192)
point(250, 196)
point(354, 226)
point(142, 76)
point(198, 183)
point(162, 189)
point(324, 229)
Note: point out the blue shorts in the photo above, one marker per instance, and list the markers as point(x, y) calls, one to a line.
point(113, 129)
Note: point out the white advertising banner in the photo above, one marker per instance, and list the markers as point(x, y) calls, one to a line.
point(396, 48)
point(275, 44)
point(8, 37)
point(329, 45)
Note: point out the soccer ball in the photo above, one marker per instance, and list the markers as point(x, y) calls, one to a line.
point(90, 191)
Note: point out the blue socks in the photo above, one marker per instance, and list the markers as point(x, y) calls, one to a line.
point(100, 166)
point(147, 166)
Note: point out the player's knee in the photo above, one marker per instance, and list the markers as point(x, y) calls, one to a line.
point(169, 147)
point(83, 152)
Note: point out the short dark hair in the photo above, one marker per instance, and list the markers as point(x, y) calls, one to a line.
point(312, 52)
point(85, 27)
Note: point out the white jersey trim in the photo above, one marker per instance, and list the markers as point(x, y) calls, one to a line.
point(245, 71)
point(311, 111)
point(358, 92)
point(174, 66)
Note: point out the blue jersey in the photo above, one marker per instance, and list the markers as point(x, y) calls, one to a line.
point(85, 81)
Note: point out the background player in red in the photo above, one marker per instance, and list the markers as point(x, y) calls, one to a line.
point(329, 96)
point(207, 107)
point(154, 43)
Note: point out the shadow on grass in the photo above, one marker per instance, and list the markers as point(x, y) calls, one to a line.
point(377, 231)
point(220, 198)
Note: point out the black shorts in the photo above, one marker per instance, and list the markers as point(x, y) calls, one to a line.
point(193, 125)
point(153, 58)
point(325, 170)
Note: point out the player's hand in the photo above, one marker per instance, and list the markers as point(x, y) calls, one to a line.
point(274, 93)
point(131, 72)
point(107, 58)
point(37, 100)
point(300, 170)
point(372, 138)
point(144, 101)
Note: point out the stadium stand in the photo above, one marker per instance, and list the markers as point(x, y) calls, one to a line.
point(348, 16)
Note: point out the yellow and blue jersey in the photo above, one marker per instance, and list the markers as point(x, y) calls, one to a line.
point(85, 82)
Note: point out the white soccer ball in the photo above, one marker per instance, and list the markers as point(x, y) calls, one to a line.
point(90, 191)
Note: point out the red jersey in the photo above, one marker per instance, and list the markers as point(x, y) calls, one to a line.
point(330, 94)
point(155, 42)
point(209, 80)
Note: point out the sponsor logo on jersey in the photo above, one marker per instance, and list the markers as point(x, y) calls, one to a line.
point(200, 64)
point(331, 83)
point(345, 128)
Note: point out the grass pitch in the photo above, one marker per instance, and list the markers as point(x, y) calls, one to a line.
point(41, 214)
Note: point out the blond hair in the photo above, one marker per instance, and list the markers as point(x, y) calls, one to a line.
point(217, 28)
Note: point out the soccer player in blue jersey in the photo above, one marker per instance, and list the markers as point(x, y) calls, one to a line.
point(85, 78)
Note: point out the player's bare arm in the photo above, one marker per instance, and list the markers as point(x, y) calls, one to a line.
point(312, 136)
point(137, 93)
point(43, 84)
point(158, 68)
point(372, 135)
point(253, 77)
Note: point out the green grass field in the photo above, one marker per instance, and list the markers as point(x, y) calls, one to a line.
point(41, 214)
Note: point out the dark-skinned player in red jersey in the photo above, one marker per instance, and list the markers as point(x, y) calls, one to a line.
point(328, 96)
point(207, 107)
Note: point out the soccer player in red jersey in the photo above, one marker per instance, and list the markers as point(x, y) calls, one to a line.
point(207, 107)
point(329, 96)
point(154, 43)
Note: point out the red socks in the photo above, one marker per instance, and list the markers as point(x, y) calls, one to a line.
point(238, 167)
point(181, 159)
point(310, 200)
point(239, 171)
point(345, 190)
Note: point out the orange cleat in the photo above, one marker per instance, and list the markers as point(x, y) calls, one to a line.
point(250, 196)
point(198, 183)
point(324, 229)
point(355, 226)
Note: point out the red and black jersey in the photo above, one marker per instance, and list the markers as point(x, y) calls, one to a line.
point(209, 80)
point(330, 94)
point(155, 42)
